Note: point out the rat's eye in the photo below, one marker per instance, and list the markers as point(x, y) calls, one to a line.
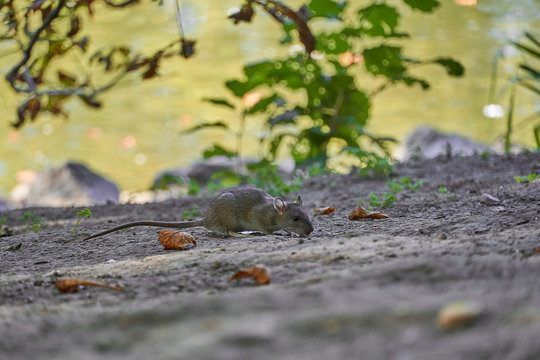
point(295, 218)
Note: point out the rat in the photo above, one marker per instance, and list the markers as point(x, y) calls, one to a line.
point(241, 208)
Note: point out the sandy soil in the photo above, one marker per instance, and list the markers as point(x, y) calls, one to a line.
point(364, 289)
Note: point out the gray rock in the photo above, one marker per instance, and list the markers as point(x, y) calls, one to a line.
point(72, 184)
point(4, 205)
point(427, 142)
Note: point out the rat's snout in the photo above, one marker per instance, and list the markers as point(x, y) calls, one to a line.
point(309, 230)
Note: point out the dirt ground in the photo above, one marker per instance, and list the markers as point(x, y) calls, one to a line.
point(368, 289)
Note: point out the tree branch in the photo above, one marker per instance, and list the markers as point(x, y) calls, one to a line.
point(125, 3)
point(12, 75)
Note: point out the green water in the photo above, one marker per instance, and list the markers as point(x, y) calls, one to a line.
point(137, 132)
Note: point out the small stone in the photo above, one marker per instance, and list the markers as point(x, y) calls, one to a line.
point(491, 197)
point(217, 264)
point(300, 241)
point(55, 273)
point(457, 315)
point(442, 236)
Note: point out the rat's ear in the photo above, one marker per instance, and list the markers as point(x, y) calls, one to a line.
point(299, 201)
point(279, 205)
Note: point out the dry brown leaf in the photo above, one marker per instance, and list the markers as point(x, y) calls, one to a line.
point(457, 315)
point(361, 213)
point(324, 210)
point(258, 273)
point(537, 250)
point(175, 240)
point(72, 285)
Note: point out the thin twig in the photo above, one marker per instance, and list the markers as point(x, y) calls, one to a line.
point(11, 76)
point(179, 20)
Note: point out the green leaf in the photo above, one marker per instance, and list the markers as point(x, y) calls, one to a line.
point(410, 81)
point(262, 104)
point(532, 38)
point(384, 60)
point(527, 49)
point(530, 87)
point(453, 68)
point(217, 124)
point(533, 72)
point(326, 8)
point(423, 5)
point(216, 150)
point(258, 68)
point(335, 43)
point(239, 88)
point(378, 20)
point(257, 74)
point(355, 107)
point(288, 27)
point(219, 101)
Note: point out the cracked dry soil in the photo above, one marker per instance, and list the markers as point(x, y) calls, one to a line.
point(352, 290)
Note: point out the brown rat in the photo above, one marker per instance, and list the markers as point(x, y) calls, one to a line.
point(241, 208)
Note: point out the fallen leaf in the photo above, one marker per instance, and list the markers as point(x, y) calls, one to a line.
point(361, 213)
point(324, 210)
point(537, 250)
point(72, 285)
point(175, 240)
point(244, 14)
point(258, 273)
point(456, 315)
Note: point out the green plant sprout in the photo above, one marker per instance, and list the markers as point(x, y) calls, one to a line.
point(412, 185)
point(194, 188)
point(442, 190)
point(4, 229)
point(526, 76)
point(388, 200)
point(385, 200)
point(33, 222)
point(264, 175)
point(82, 214)
point(191, 214)
point(374, 200)
point(530, 177)
point(394, 186)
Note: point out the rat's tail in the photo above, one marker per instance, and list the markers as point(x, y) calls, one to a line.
point(164, 224)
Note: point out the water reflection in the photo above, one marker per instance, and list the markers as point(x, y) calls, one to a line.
point(137, 133)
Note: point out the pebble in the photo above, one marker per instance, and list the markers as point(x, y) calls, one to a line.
point(457, 315)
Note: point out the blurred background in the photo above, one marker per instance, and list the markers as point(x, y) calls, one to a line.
point(137, 132)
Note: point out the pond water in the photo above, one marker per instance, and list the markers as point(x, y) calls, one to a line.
point(137, 132)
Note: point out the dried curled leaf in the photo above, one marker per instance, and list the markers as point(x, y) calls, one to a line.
point(175, 240)
point(72, 285)
point(258, 273)
point(361, 213)
point(244, 14)
point(324, 210)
